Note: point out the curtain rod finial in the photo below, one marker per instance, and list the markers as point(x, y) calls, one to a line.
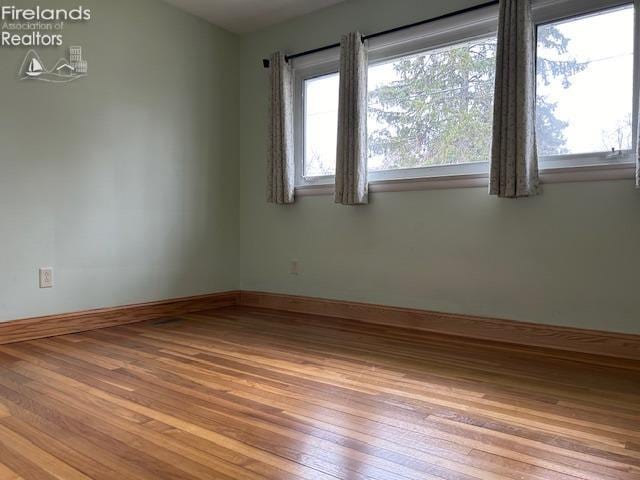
point(265, 63)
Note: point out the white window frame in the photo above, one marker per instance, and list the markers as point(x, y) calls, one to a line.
point(444, 33)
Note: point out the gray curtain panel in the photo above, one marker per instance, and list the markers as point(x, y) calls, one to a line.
point(281, 167)
point(636, 86)
point(514, 157)
point(351, 159)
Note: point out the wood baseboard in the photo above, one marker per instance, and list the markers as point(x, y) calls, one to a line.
point(53, 325)
point(594, 342)
point(569, 339)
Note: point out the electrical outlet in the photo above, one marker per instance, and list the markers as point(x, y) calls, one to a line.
point(46, 277)
point(294, 268)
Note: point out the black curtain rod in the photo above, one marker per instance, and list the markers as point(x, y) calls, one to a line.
point(491, 3)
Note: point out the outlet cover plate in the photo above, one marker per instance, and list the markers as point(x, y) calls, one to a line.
point(45, 276)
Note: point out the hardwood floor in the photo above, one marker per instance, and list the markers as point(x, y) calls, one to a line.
point(242, 393)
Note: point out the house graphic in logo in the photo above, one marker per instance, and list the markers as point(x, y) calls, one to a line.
point(64, 70)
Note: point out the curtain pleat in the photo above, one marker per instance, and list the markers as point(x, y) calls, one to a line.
point(281, 167)
point(514, 157)
point(636, 86)
point(351, 159)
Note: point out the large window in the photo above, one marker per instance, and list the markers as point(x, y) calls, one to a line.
point(585, 84)
point(320, 125)
point(433, 108)
point(430, 109)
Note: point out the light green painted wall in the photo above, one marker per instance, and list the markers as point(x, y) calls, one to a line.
point(126, 182)
point(568, 257)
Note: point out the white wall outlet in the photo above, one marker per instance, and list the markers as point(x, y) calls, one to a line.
point(46, 277)
point(294, 268)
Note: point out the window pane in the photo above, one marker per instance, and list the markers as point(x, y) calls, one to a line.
point(585, 76)
point(320, 125)
point(434, 108)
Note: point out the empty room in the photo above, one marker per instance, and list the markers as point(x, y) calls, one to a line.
point(319, 239)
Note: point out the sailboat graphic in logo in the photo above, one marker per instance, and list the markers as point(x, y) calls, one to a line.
point(33, 68)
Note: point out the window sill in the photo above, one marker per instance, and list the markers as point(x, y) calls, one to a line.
point(621, 171)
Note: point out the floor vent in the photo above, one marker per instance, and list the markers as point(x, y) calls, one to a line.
point(165, 321)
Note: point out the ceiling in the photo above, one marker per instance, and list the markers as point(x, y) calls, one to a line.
point(243, 16)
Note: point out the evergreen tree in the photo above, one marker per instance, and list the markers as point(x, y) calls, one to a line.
point(439, 108)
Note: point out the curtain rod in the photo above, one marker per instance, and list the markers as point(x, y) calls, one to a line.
point(265, 62)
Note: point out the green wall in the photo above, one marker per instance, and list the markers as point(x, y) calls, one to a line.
point(569, 257)
point(145, 181)
point(126, 181)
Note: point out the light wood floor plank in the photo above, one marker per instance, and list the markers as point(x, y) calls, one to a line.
point(246, 393)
